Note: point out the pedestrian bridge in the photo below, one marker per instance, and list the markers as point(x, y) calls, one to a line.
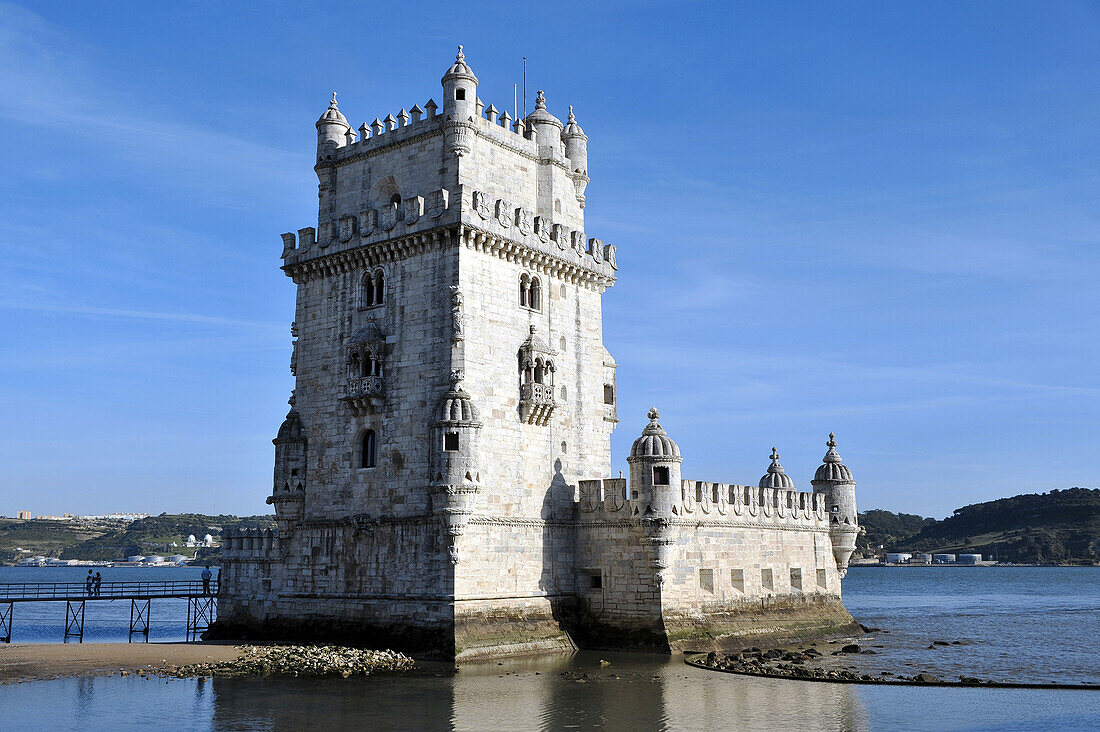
point(202, 602)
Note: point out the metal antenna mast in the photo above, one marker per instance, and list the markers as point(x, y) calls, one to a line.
point(525, 87)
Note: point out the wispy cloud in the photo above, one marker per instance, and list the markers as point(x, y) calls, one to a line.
point(49, 83)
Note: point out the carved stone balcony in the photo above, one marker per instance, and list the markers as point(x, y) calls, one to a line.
point(363, 394)
point(536, 403)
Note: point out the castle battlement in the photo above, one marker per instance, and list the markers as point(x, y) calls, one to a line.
point(702, 500)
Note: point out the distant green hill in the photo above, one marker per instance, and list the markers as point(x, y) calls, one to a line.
point(1060, 526)
point(113, 540)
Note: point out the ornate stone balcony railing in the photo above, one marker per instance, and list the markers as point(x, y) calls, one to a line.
point(536, 402)
point(364, 393)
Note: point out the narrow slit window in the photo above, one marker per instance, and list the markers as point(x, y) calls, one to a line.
point(369, 450)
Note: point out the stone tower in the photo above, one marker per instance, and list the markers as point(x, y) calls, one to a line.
point(449, 371)
point(834, 479)
point(441, 480)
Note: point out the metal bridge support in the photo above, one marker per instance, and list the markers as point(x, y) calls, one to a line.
point(74, 619)
point(201, 613)
point(5, 622)
point(139, 618)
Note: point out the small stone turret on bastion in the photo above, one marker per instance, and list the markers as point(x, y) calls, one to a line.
point(654, 483)
point(835, 480)
point(456, 473)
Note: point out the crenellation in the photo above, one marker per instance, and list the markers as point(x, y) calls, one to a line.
point(434, 480)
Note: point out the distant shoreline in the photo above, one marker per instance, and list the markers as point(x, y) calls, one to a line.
point(983, 565)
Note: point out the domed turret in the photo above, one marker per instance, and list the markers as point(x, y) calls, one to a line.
point(289, 485)
point(332, 129)
point(456, 474)
point(576, 150)
point(655, 467)
point(776, 477)
point(576, 144)
point(459, 89)
point(547, 127)
point(834, 480)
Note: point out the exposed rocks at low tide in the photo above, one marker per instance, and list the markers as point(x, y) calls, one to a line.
point(799, 664)
point(300, 661)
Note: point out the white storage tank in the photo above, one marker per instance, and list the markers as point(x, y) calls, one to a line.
point(943, 558)
point(898, 557)
point(154, 559)
point(177, 559)
point(970, 558)
point(136, 558)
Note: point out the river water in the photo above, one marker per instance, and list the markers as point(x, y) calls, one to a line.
point(1026, 624)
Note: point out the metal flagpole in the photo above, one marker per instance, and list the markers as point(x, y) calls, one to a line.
point(524, 87)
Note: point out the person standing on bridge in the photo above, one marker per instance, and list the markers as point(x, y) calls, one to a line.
point(89, 582)
point(206, 580)
point(96, 583)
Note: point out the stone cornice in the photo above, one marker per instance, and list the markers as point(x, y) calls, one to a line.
point(412, 244)
point(370, 255)
point(549, 264)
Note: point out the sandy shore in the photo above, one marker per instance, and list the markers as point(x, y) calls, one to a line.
point(35, 661)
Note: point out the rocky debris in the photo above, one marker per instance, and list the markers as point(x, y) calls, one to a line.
point(940, 643)
point(865, 629)
point(926, 678)
point(851, 648)
point(300, 661)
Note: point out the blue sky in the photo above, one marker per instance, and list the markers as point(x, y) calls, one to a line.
point(878, 219)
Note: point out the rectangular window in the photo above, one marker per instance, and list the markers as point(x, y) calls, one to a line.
point(737, 579)
point(796, 579)
point(767, 583)
point(608, 394)
point(660, 475)
point(450, 442)
point(589, 580)
point(822, 580)
point(706, 580)
point(294, 471)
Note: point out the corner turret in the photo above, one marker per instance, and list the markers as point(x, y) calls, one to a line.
point(835, 481)
point(576, 151)
point(547, 128)
point(332, 130)
point(459, 105)
point(456, 476)
point(654, 481)
point(288, 491)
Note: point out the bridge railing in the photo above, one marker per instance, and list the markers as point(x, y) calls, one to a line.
point(30, 591)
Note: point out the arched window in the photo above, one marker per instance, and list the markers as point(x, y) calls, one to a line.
point(372, 289)
point(354, 367)
point(524, 290)
point(366, 291)
point(368, 450)
point(395, 203)
point(535, 300)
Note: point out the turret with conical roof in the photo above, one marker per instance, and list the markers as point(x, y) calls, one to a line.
point(834, 480)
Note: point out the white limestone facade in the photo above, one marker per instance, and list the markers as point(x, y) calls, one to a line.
point(442, 479)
